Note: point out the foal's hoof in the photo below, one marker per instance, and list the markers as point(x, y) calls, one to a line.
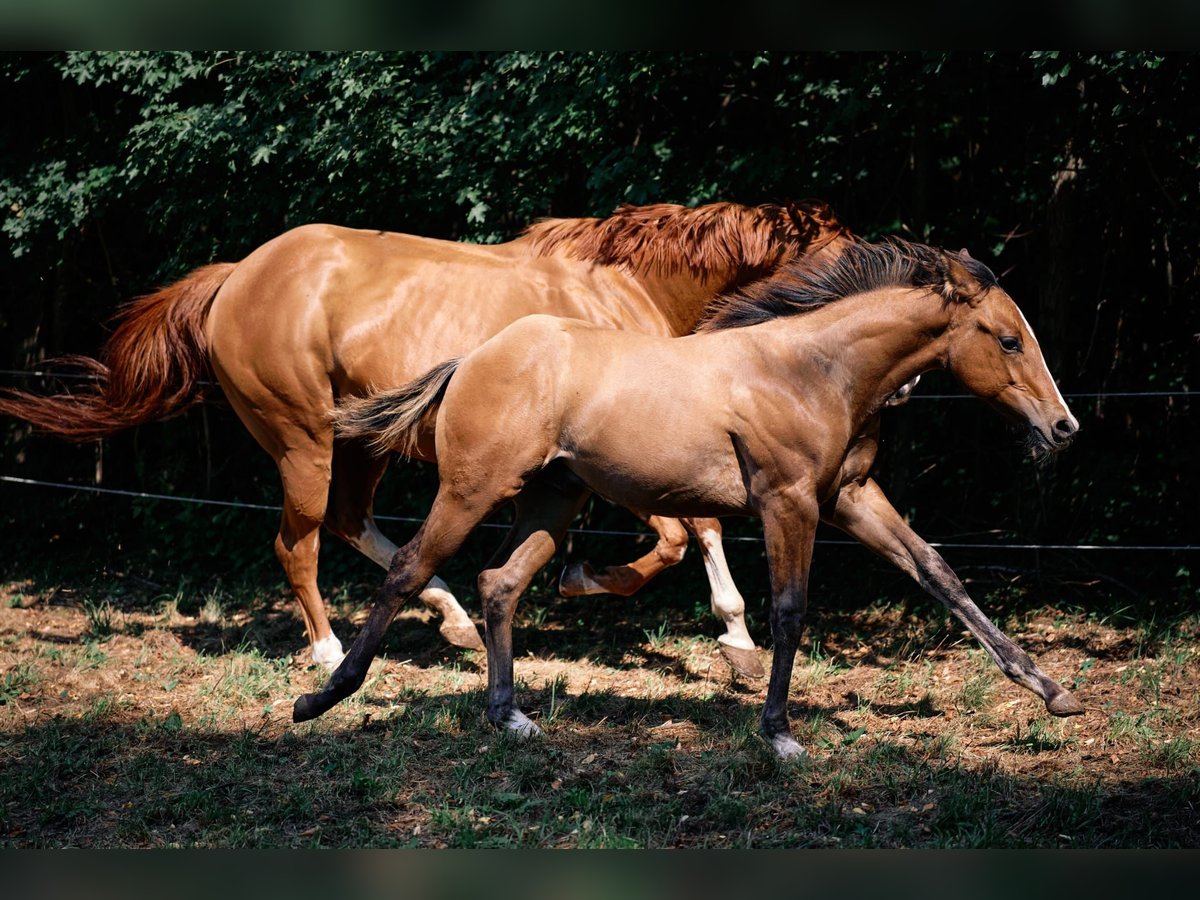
point(519, 725)
point(745, 662)
point(464, 636)
point(1064, 705)
point(307, 706)
point(578, 580)
point(786, 747)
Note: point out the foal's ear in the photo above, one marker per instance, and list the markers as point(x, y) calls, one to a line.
point(960, 282)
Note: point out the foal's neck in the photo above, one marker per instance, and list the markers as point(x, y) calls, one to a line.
point(872, 344)
point(890, 337)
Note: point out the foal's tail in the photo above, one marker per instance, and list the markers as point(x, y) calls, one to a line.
point(391, 420)
point(152, 366)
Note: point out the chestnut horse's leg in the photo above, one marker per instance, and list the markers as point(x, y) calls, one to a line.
point(736, 644)
point(356, 473)
point(303, 457)
point(578, 579)
point(789, 528)
point(862, 511)
point(737, 647)
point(544, 510)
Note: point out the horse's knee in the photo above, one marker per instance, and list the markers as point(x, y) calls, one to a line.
point(672, 552)
point(297, 552)
point(498, 593)
point(787, 615)
point(672, 541)
point(407, 573)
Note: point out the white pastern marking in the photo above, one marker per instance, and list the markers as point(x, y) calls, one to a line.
point(373, 545)
point(522, 725)
point(786, 747)
point(577, 576)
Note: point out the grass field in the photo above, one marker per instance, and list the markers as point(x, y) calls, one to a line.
point(142, 707)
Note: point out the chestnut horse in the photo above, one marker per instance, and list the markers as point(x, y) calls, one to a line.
point(323, 312)
point(770, 410)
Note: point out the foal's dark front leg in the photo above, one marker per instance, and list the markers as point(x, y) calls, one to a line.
point(789, 526)
point(862, 511)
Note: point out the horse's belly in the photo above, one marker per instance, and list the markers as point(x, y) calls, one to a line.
point(665, 484)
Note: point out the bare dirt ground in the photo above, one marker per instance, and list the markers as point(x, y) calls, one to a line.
point(159, 718)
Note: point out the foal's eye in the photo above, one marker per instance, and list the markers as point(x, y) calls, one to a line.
point(1011, 344)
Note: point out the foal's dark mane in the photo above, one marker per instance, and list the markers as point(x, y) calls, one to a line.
point(799, 287)
point(664, 238)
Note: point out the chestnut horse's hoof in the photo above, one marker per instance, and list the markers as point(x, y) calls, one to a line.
point(578, 580)
point(464, 636)
point(745, 662)
point(1064, 705)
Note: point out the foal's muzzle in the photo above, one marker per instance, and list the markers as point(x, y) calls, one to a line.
point(1064, 430)
point(1041, 445)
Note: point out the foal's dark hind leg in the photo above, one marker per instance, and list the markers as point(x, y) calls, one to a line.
point(356, 473)
point(414, 564)
point(862, 511)
point(544, 510)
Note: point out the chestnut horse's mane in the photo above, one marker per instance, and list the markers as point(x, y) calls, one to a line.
point(665, 238)
point(799, 287)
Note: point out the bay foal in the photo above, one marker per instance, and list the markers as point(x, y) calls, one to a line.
point(771, 410)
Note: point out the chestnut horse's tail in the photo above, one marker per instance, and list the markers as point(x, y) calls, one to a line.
point(152, 366)
point(391, 420)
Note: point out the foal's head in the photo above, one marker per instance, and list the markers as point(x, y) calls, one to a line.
point(993, 352)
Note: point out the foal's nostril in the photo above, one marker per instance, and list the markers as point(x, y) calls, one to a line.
point(1064, 428)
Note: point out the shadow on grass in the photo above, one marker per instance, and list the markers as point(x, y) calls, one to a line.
point(431, 773)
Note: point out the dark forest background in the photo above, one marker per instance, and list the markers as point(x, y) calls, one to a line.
point(1073, 175)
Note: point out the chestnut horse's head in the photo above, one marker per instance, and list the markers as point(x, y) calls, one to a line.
point(993, 352)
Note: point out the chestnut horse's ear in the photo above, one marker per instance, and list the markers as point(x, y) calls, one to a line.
point(960, 282)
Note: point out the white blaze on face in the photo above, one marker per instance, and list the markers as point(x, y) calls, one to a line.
point(1057, 393)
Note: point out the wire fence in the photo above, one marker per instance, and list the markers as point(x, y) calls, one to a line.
point(237, 504)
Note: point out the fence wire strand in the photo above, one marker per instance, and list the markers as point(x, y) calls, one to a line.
point(410, 520)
